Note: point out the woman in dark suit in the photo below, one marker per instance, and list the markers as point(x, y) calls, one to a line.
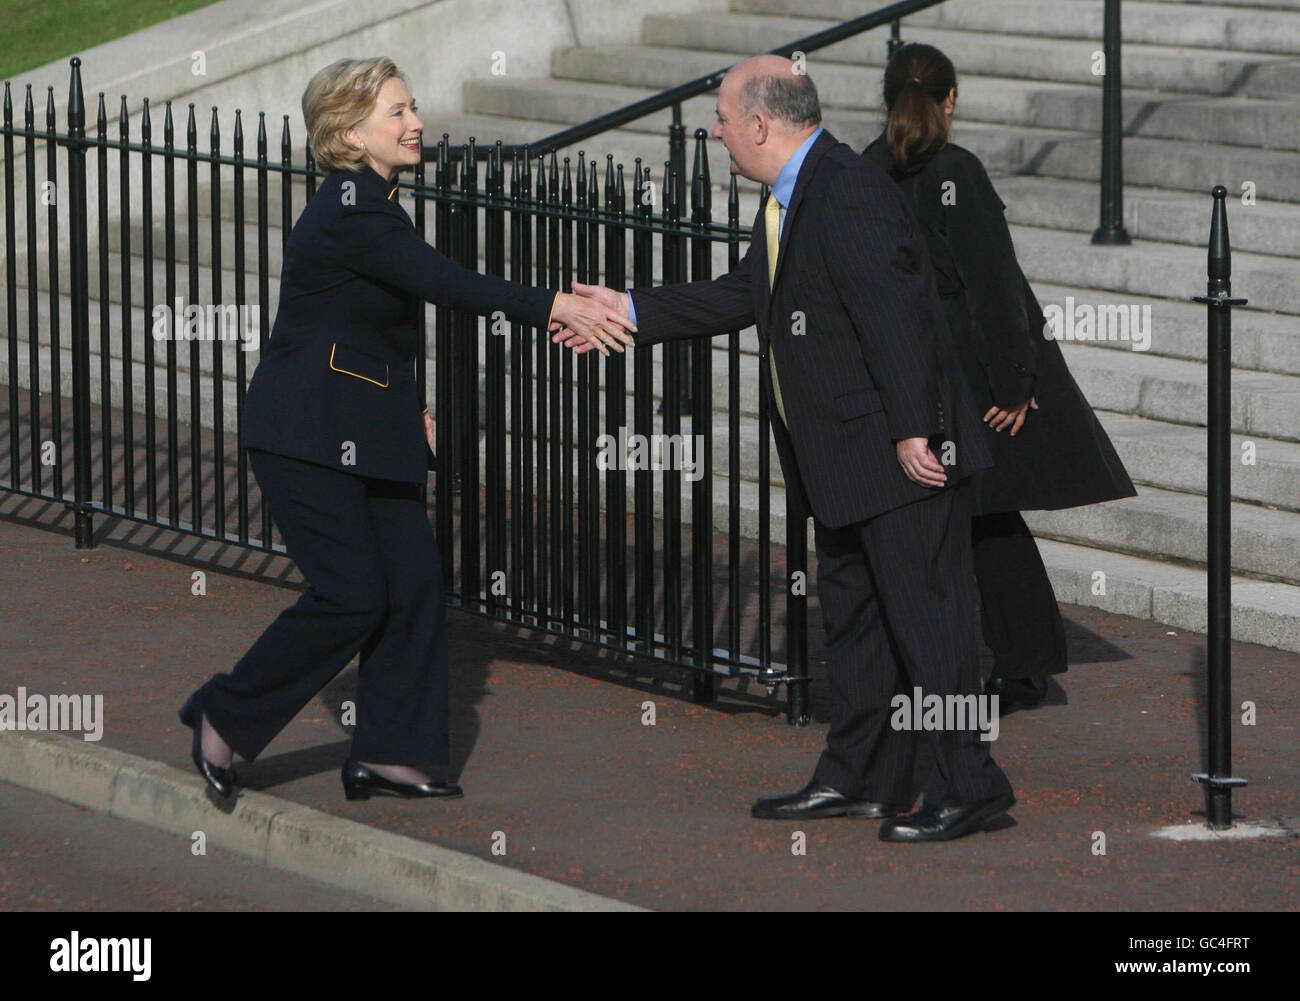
point(340, 448)
point(1049, 450)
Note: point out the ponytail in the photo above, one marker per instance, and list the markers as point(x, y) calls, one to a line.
point(917, 80)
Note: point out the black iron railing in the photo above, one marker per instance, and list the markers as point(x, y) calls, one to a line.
point(536, 531)
point(540, 521)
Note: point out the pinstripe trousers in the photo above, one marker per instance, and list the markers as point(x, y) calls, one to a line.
point(901, 611)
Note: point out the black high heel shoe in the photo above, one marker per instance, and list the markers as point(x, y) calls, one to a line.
point(222, 780)
point(359, 782)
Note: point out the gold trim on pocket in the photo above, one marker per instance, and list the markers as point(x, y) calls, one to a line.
point(381, 385)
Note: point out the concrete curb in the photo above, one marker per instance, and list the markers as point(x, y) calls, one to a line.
point(279, 833)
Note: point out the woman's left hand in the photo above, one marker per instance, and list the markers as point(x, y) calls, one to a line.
point(428, 428)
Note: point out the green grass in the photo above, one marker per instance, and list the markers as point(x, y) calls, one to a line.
point(39, 31)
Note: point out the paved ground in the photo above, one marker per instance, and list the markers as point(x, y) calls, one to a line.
point(57, 856)
point(549, 744)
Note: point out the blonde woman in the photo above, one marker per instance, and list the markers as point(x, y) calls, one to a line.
point(338, 439)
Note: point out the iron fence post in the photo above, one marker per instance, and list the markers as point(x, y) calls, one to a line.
point(79, 292)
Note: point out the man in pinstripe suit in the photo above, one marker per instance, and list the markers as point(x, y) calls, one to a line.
point(877, 436)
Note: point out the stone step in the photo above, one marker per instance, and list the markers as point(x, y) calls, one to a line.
point(719, 261)
point(854, 81)
point(1202, 26)
point(1159, 590)
point(116, 385)
point(141, 334)
point(1146, 267)
point(1264, 405)
point(1153, 214)
point(1251, 4)
point(1232, 121)
point(1260, 341)
point(1003, 148)
point(1278, 80)
point(1172, 525)
point(158, 269)
point(1263, 612)
point(976, 55)
point(1167, 389)
point(1158, 522)
point(1054, 256)
point(1175, 457)
point(1169, 456)
point(1155, 451)
point(1265, 342)
point(1112, 376)
point(1266, 471)
point(1185, 164)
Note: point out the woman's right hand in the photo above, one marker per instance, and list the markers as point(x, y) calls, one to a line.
point(599, 325)
point(997, 418)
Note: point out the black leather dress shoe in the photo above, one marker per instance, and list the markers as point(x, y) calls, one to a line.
point(1016, 693)
point(816, 800)
point(946, 823)
point(221, 780)
point(359, 782)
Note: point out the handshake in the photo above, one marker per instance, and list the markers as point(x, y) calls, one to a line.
point(592, 316)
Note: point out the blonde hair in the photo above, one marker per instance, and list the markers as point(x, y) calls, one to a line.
point(339, 97)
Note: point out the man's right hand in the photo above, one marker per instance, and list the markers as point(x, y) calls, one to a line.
point(615, 302)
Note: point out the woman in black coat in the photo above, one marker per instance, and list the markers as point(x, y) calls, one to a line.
point(1049, 450)
point(338, 439)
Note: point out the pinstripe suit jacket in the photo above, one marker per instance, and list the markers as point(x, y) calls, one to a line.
point(860, 341)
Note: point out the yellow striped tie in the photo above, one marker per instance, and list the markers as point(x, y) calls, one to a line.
point(772, 219)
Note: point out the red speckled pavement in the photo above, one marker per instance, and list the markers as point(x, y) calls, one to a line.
point(549, 744)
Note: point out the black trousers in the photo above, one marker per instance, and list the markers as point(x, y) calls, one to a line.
point(1021, 619)
point(900, 609)
point(374, 585)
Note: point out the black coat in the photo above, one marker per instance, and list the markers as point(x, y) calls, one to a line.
point(1061, 457)
point(855, 326)
point(339, 366)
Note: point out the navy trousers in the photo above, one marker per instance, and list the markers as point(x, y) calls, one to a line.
point(901, 610)
point(374, 586)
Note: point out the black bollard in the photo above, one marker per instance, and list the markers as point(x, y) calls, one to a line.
point(1111, 232)
point(1218, 781)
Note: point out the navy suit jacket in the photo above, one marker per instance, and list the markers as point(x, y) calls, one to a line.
point(336, 383)
point(859, 338)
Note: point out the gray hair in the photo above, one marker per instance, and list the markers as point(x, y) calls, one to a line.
point(787, 97)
